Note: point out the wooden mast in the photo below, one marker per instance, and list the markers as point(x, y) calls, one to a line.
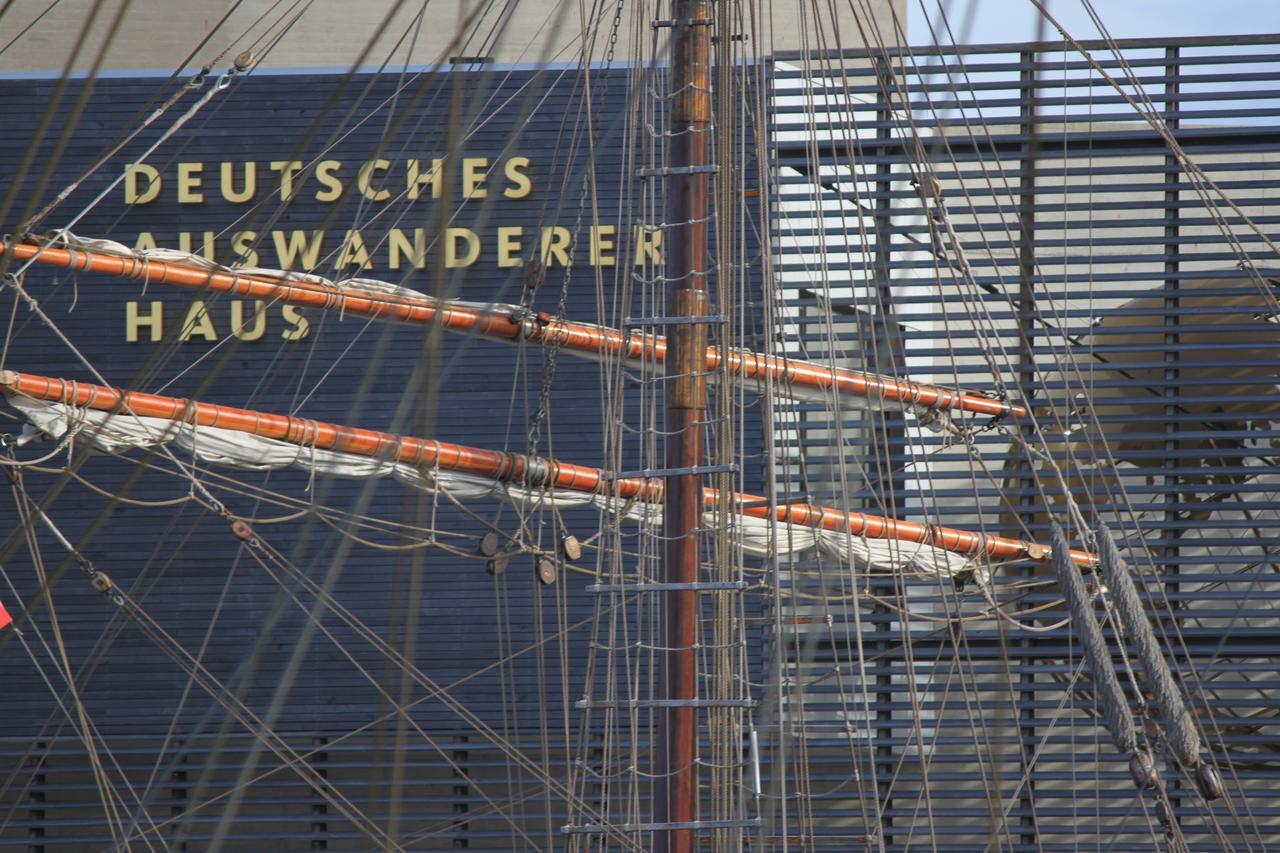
point(688, 210)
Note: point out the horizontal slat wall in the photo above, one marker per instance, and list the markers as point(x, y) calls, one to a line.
point(495, 642)
point(1136, 316)
point(464, 794)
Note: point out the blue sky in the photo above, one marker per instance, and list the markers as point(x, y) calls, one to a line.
point(993, 21)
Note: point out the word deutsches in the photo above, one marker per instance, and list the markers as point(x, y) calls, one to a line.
point(329, 180)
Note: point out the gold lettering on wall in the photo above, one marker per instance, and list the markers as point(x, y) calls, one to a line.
point(375, 179)
point(152, 320)
point(295, 251)
point(452, 258)
point(417, 177)
point(197, 323)
point(509, 245)
point(133, 195)
point(243, 331)
point(602, 245)
point(515, 170)
point(474, 172)
point(242, 245)
point(299, 326)
point(327, 172)
point(381, 246)
point(354, 253)
point(648, 243)
point(400, 245)
point(365, 178)
point(227, 182)
point(555, 246)
point(201, 321)
point(403, 248)
point(190, 179)
point(287, 169)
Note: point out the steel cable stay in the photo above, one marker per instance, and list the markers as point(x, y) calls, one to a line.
point(275, 40)
point(1123, 499)
point(878, 301)
point(972, 716)
point(871, 802)
point(365, 728)
point(435, 691)
point(28, 511)
point(476, 11)
point(909, 801)
point(1202, 183)
point(338, 520)
point(241, 713)
point(283, 572)
point(993, 368)
point(94, 732)
point(235, 707)
point(96, 657)
point(75, 719)
point(201, 676)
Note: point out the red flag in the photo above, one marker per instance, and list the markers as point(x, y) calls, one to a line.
point(5, 618)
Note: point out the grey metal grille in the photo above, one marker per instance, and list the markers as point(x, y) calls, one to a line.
point(1129, 303)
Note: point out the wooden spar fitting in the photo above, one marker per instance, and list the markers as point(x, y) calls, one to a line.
point(472, 319)
point(507, 467)
point(688, 209)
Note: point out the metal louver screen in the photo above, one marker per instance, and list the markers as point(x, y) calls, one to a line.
point(1003, 218)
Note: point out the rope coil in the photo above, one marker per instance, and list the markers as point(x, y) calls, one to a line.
point(1111, 699)
point(1182, 737)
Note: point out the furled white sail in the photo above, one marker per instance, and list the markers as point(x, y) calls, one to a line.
point(121, 432)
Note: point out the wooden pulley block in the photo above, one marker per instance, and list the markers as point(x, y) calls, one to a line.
point(570, 547)
point(1209, 782)
point(488, 544)
point(497, 565)
point(546, 570)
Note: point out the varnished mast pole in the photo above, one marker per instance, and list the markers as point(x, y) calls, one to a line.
point(687, 211)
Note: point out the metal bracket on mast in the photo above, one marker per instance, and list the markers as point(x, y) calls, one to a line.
point(673, 321)
point(622, 704)
point(655, 473)
point(695, 586)
point(691, 22)
point(665, 171)
point(592, 828)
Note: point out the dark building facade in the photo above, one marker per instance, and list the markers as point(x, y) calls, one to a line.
point(491, 185)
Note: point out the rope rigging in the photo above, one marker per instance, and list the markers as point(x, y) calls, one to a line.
point(851, 302)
